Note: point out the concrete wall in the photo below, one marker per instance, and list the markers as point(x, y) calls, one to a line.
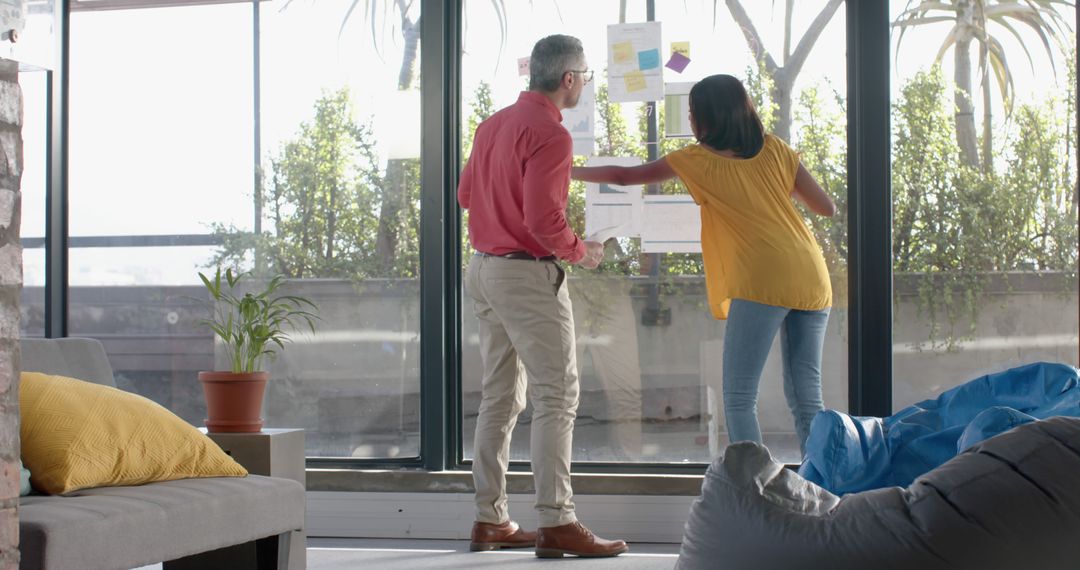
point(355, 385)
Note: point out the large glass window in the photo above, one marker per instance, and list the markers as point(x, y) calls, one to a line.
point(159, 149)
point(649, 352)
point(163, 163)
point(340, 145)
point(176, 167)
point(34, 84)
point(36, 53)
point(983, 178)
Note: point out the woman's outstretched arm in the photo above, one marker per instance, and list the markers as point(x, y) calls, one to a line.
point(655, 171)
point(809, 192)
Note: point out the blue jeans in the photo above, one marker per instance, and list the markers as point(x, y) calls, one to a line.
point(751, 328)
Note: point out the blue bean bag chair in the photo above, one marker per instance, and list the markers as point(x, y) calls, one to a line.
point(1009, 502)
point(848, 454)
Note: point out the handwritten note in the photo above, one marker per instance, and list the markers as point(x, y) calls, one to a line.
point(678, 62)
point(648, 59)
point(623, 52)
point(635, 81)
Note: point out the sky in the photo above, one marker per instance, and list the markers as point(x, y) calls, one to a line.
point(161, 100)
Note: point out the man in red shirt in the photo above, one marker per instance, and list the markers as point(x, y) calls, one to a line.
point(515, 187)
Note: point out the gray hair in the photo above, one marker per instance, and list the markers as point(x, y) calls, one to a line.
point(552, 57)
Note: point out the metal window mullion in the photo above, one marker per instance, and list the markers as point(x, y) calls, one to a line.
point(869, 210)
point(438, 260)
point(56, 184)
point(452, 286)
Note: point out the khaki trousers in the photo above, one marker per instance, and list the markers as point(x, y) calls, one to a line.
point(526, 331)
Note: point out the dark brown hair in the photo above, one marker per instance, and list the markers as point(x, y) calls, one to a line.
point(725, 116)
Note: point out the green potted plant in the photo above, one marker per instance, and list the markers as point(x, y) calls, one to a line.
point(252, 326)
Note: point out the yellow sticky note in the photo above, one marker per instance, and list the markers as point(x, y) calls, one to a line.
point(681, 47)
point(623, 52)
point(635, 81)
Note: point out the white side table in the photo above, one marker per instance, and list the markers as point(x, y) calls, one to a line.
point(271, 453)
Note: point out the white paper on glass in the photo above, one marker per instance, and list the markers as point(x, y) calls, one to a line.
point(596, 193)
point(612, 210)
point(670, 224)
point(635, 71)
point(677, 110)
point(581, 121)
point(605, 221)
point(603, 234)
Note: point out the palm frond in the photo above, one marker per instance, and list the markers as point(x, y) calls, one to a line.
point(921, 21)
point(500, 13)
point(1004, 23)
point(1041, 16)
point(950, 39)
point(558, 10)
point(925, 7)
point(1004, 78)
point(1038, 26)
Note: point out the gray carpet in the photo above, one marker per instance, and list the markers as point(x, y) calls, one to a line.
point(403, 554)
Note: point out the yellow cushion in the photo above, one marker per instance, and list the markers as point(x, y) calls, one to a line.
point(77, 435)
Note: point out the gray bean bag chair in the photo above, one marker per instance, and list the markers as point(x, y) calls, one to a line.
point(1009, 502)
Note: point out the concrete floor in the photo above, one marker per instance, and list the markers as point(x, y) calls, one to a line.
point(405, 554)
point(412, 554)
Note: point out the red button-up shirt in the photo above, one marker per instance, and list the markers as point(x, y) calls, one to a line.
point(516, 182)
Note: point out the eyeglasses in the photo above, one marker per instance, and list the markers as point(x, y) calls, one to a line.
point(586, 74)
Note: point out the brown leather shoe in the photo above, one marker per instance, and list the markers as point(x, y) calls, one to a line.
point(487, 536)
point(575, 539)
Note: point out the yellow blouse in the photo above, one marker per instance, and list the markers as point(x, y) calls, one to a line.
point(754, 242)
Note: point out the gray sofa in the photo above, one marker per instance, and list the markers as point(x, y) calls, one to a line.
point(224, 522)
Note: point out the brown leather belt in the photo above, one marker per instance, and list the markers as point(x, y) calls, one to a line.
point(524, 255)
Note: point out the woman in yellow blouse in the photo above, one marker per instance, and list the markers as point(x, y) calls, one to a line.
point(764, 270)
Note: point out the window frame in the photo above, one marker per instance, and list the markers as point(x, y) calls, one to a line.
point(869, 240)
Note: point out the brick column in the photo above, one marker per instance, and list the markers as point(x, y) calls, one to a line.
point(11, 279)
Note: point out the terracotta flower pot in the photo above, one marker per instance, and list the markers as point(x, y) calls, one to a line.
point(233, 401)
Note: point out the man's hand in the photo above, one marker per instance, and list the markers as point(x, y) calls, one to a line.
point(594, 254)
